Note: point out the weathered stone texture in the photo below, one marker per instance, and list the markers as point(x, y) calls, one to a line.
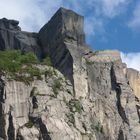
point(96, 97)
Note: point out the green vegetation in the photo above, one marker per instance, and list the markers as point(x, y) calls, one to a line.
point(50, 72)
point(47, 61)
point(56, 86)
point(75, 106)
point(65, 100)
point(89, 62)
point(13, 60)
point(71, 119)
point(26, 74)
point(29, 58)
point(21, 67)
point(97, 126)
point(29, 124)
point(32, 71)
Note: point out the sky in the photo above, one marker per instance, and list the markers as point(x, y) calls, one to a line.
point(109, 24)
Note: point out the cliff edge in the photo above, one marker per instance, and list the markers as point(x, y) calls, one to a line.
point(82, 95)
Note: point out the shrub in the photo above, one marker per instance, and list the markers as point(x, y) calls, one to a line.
point(13, 60)
point(10, 60)
point(19, 66)
point(75, 106)
point(29, 124)
point(56, 87)
point(34, 72)
point(47, 61)
point(29, 58)
point(49, 73)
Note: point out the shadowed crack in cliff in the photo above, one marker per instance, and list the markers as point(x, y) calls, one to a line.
point(43, 129)
point(121, 135)
point(19, 136)
point(11, 129)
point(34, 102)
point(138, 111)
point(44, 134)
point(2, 95)
point(116, 86)
point(2, 116)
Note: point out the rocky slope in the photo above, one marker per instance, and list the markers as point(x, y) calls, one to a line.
point(86, 95)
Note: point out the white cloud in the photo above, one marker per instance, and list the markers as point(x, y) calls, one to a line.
point(134, 23)
point(92, 25)
point(112, 8)
point(32, 14)
point(132, 60)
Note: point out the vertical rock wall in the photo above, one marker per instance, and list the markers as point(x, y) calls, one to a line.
point(91, 99)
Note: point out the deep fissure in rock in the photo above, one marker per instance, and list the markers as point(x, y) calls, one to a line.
point(11, 129)
point(19, 136)
point(138, 111)
point(117, 88)
point(43, 130)
point(2, 117)
point(34, 102)
point(2, 84)
point(121, 135)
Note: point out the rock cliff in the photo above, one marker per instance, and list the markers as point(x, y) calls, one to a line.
point(84, 95)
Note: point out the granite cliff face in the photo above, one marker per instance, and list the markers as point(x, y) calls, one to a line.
point(85, 95)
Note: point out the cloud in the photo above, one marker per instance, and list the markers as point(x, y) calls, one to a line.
point(132, 60)
point(32, 14)
point(112, 8)
point(134, 23)
point(92, 25)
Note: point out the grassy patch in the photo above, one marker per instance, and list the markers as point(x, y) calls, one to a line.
point(20, 66)
point(50, 72)
point(47, 61)
point(13, 60)
point(56, 87)
point(75, 106)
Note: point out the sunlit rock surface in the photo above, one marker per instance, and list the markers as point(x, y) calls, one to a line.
point(85, 95)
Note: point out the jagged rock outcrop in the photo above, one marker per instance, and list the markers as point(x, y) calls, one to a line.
point(11, 37)
point(86, 95)
point(61, 39)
